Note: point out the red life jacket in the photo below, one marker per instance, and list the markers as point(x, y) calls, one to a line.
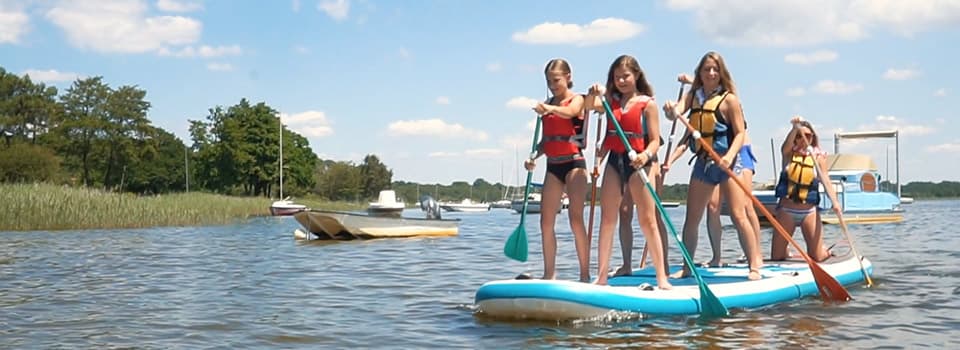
point(561, 135)
point(632, 124)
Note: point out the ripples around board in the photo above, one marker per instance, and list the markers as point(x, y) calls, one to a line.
point(250, 285)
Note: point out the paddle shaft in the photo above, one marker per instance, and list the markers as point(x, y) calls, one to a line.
point(843, 225)
point(673, 130)
point(824, 280)
point(526, 188)
point(710, 304)
point(593, 179)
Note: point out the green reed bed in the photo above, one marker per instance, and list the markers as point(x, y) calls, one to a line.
point(26, 207)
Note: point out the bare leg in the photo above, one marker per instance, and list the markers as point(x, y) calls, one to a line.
point(626, 235)
point(577, 192)
point(647, 218)
point(610, 198)
point(778, 244)
point(812, 229)
point(550, 202)
point(747, 177)
point(748, 238)
point(697, 196)
point(714, 227)
point(654, 175)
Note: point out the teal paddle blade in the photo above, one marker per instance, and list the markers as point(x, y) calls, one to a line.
point(516, 246)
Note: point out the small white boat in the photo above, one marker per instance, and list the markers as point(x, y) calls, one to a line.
point(340, 225)
point(286, 207)
point(386, 204)
point(533, 204)
point(502, 204)
point(906, 200)
point(466, 205)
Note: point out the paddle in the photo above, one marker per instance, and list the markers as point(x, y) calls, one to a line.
point(710, 305)
point(593, 180)
point(673, 130)
point(830, 288)
point(516, 246)
point(843, 225)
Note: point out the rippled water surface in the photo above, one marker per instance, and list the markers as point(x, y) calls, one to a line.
point(250, 285)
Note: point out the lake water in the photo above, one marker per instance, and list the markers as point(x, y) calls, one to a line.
point(251, 285)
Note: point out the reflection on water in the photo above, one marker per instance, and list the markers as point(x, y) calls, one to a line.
point(251, 285)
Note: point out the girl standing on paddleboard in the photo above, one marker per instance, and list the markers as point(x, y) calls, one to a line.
point(562, 141)
point(631, 98)
point(715, 113)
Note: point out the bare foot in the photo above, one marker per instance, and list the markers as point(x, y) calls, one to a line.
point(585, 279)
point(684, 273)
point(624, 270)
point(712, 263)
point(663, 284)
point(754, 274)
point(601, 281)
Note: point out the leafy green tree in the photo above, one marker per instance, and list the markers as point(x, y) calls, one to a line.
point(126, 131)
point(375, 175)
point(24, 162)
point(158, 164)
point(339, 181)
point(85, 113)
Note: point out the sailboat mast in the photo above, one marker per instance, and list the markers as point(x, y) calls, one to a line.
point(280, 118)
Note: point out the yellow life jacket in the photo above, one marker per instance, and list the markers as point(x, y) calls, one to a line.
point(801, 175)
point(709, 122)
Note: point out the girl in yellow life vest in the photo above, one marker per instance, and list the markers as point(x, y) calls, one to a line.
point(566, 167)
point(798, 190)
point(715, 109)
point(631, 99)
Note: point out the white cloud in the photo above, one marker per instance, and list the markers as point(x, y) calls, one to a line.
point(178, 6)
point(121, 26)
point(836, 87)
point(295, 5)
point(522, 102)
point(309, 123)
point(301, 49)
point(50, 75)
point(13, 24)
point(404, 53)
point(811, 22)
point(434, 127)
point(443, 100)
point(219, 67)
point(494, 67)
point(484, 152)
point(900, 74)
point(945, 148)
point(889, 122)
point(336, 9)
point(600, 31)
point(819, 56)
point(796, 91)
point(442, 154)
point(941, 92)
point(203, 51)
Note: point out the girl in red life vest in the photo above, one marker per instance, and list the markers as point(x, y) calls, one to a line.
point(631, 98)
point(715, 108)
point(566, 168)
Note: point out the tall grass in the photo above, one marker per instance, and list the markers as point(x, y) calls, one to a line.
point(26, 207)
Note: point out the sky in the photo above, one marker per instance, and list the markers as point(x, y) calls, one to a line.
point(442, 91)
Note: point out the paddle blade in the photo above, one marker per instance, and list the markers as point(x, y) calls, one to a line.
point(830, 288)
point(710, 305)
point(516, 246)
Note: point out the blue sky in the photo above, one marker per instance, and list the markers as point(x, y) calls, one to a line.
point(441, 90)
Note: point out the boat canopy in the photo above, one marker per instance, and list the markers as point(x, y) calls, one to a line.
point(849, 161)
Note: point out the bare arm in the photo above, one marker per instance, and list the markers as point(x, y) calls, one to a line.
point(571, 110)
point(652, 119)
point(827, 183)
point(731, 110)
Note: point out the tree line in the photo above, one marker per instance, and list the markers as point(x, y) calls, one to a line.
point(95, 135)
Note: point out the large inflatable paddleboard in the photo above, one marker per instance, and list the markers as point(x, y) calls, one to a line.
point(567, 300)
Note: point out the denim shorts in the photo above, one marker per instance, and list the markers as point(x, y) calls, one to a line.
point(747, 158)
point(708, 172)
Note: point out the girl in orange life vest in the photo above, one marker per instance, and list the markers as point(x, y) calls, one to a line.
point(566, 167)
point(631, 98)
point(714, 226)
point(798, 191)
point(713, 104)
